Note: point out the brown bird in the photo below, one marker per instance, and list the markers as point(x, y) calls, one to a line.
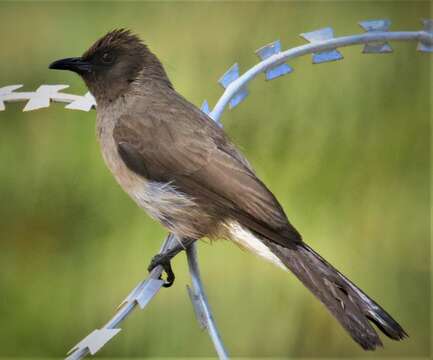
point(180, 167)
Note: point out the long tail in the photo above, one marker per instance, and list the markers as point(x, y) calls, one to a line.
point(345, 301)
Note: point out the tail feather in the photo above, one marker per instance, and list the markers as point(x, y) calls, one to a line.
point(373, 311)
point(347, 303)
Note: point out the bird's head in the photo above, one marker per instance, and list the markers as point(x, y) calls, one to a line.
point(113, 63)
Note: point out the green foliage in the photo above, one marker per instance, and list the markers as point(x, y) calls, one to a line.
point(344, 146)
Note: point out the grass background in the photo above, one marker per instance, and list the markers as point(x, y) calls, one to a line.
point(345, 147)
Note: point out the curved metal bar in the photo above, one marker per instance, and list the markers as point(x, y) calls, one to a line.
point(140, 295)
point(330, 44)
point(201, 303)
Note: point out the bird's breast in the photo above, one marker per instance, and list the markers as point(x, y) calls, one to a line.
point(128, 180)
point(162, 201)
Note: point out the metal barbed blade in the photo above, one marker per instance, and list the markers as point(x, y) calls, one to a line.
point(320, 35)
point(269, 50)
point(86, 103)
point(380, 25)
point(375, 25)
point(428, 24)
point(326, 56)
point(95, 340)
point(205, 107)
point(143, 293)
point(229, 76)
point(149, 290)
point(427, 46)
point(377, 48)
point(238, 97)
point(278, 71)
point(7, 90)
point(42, 96)
point(130, 297)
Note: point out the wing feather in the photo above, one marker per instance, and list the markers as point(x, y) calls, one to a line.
point(188, 150)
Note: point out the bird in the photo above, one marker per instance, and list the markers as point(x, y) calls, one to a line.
point(180, 167)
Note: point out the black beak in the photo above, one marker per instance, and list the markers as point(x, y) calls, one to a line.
point(77, 65)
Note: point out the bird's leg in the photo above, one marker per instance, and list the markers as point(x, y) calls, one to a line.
point(164, 259)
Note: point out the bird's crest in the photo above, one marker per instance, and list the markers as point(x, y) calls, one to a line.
point(114, 39)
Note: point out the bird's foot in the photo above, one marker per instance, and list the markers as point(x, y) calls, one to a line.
point(164, 261)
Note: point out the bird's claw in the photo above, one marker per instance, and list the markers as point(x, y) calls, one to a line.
point(163, 261)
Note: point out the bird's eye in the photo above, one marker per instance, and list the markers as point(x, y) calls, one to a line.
point(107, 58)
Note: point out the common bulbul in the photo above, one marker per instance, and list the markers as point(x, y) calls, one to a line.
point(181, 167)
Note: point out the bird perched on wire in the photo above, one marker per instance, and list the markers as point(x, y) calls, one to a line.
point(181, 167)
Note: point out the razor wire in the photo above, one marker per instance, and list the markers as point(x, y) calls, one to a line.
point(324, 48)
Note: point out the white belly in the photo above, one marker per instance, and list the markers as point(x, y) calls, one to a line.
point(246, 240)
point(160, 200)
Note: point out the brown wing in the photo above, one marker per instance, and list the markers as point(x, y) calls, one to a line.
point(181, 145)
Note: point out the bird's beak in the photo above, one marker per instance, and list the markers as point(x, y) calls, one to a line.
point(77, 65)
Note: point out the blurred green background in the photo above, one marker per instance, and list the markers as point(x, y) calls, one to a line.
point(344, 146)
